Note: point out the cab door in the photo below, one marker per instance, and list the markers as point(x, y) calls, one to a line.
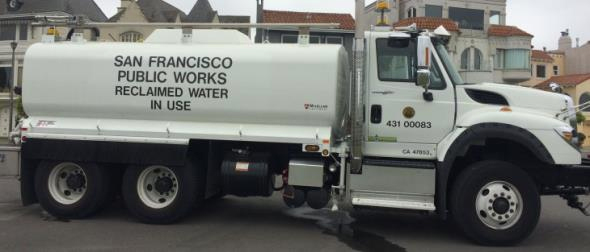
point(401, 122)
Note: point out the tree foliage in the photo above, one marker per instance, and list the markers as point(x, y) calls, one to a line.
point(580, 117)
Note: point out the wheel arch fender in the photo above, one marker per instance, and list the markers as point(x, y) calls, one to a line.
point(459, 142)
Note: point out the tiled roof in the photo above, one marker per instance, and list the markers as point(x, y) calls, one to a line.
point(159, 11)
point(202, 12)
point(539, 55)
point(154, 11)
point(346, 21)
point(430, 23)
point(564, 80)
point(507, 31)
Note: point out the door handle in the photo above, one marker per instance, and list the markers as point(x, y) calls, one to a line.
point(376, 112)
point(383, 92)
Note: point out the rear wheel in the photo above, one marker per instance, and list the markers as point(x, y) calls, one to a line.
point(160, 194)
point(495, 203)
point(72, 190)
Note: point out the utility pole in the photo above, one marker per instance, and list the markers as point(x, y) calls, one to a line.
point(13, 45)
point(357, 91)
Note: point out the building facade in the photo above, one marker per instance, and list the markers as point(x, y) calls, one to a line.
point(576, 86)
point(16, 18)
point(159, 11)
point(544, 65)
point(344, 35)
point(577, 57)
point(484, 47)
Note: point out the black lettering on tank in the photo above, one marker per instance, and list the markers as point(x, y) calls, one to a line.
point(227, 63)
point(122, 75)
point(224, 93)
point(206, 62)
point(211, 78)
point(202, 78)
point(216, 63)
point(118, 60)
point(222, 80)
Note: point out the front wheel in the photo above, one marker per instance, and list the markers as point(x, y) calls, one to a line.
point(495, 203)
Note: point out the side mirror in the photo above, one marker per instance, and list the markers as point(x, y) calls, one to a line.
point(423, 78)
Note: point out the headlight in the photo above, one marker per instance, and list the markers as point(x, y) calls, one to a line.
point(566, 132)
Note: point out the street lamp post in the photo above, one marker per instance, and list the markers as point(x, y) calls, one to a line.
point(13, 45)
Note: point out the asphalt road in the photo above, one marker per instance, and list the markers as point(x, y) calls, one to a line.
point(264, 224)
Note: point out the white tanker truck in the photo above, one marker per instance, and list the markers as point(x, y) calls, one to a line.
point(173, 124)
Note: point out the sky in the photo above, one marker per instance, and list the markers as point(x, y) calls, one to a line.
point(545, 19)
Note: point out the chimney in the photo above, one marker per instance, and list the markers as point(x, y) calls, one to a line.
point(565, 41)
point(259, 10)
point(544, 48)
point(124, 4)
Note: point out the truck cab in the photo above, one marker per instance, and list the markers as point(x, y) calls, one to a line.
point(480, 152)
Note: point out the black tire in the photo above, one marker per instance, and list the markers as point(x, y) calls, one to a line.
point(98, 183)
point(466, 189)
point(188, 195)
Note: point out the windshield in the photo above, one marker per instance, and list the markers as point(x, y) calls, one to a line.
point(446, 59)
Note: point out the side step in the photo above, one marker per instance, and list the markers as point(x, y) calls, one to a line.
point(394, 183)
point(411, 202)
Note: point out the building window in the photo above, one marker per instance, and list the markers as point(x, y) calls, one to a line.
point(396, 63)
point(334, 40)
point(495, 17)
point(24, 32)
point(465, 59)
point(541, 71)
point(584, 98)
point(467, 18)
point(131, 37)
point(478, 56)
point(7, 32)
point(412, 12)
point(517, 59)
point(555, 70)
point(499, 59)
point(437, 81)
point(315, 40)
point(289, 39)
point(5, 73)
point(434, 11)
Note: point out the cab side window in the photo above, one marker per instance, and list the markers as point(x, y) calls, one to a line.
point(437, 81)
point(396, 61)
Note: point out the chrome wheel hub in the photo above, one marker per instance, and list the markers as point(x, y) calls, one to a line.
point(67, 183)
point(157, 186)
point(499, 205)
